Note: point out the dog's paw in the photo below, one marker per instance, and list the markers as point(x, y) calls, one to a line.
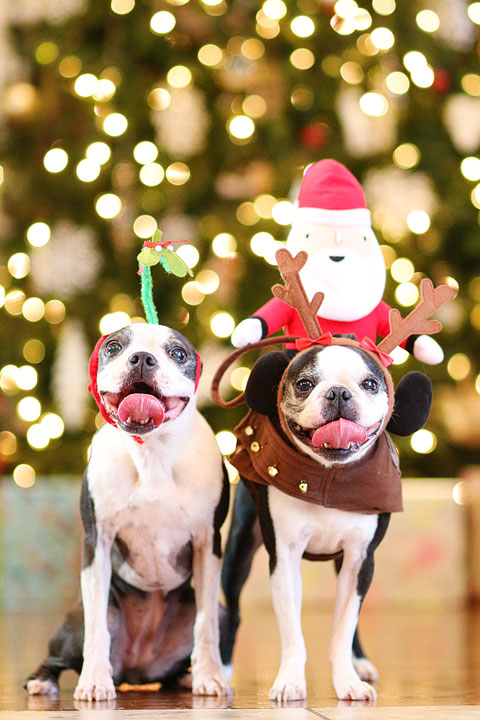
point(95, 686)
point(209, 683)
point(37, 686)
point(286, 692)
point(365, 669)
point(355, 690)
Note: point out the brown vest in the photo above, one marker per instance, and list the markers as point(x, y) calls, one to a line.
point(370, 486)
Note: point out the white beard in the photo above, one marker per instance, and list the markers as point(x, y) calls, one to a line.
point(353, 287)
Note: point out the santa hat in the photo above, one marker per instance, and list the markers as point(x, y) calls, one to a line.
point(331, 195)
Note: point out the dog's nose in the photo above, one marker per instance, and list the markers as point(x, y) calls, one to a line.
point(338, 395)
point(142, 361)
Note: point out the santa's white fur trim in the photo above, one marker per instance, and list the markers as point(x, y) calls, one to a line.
point(357, 217)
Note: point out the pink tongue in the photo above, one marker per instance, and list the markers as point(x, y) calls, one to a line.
point(141, 407)
point(339, 434)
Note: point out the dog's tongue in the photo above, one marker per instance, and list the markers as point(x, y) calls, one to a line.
point(140, 407)
point(339, 434)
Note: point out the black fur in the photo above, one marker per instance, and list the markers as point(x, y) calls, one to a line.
point(262, 385)
point(413, 399)
point(220, 514)
point(87, 512)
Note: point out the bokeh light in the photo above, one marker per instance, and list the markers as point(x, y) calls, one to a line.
point(55, 160)
point(423, 441)
point(38, 234)
point(418, 221)
point(459, 366)
point(226, 441)
point(29, 408)
point(222, 324)
point(224, 245)
point(113, 321)
point(24, 475)
point(115, 124)
point(108, 206)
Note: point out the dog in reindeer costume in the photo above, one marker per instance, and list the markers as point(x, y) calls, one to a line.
point(333, 225)
point(314, 454)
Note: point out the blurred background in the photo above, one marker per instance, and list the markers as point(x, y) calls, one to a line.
point(199, 117)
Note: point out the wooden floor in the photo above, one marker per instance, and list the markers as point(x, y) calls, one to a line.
point(429, 667)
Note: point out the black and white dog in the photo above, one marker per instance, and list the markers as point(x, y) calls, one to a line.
point(154, 497)
point(324, 474)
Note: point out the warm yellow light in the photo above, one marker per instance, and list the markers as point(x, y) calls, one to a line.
point(264, 205)
point(397, 82)
point(179, 76)
point(162, 22)
point(265, 27)
point(246, 214)
point(19, 265)
point(423, 441)
point(46, 53)
point(254, 106)
point(115, 124)
point(470, 168)
point(406, 294)
point(98, 152)
point(38, 234)
point(382, 38)
point(122, 7)
point(343, 26)
point(145, 152)
point(274, 9)
point(85, 85)
point(418, 221)
point(241, 127)
point(406, 156)
point(475, 196)
point(8, 443)
point(302, 26)
point(192, 294)
point(37, 437)
point(282, 212)
point(113, 321)
point(471, 84)
point(53, 425)
point(271, 251)
point(26, 377)
point(226, 441)
point(55, 160)
point(29, 409)
point(70, 66)
point(105, 90)
point(189, 255)
point(2, 296)
point(152, 174)
point(399, 355)
point(477, 384)
point(14, 300)
point(252, 49)
point(423, 76)
point(362, 19)
point(384, 7)
point(473, 11)
point(222, 324)
point(239, 378)
point(402, 269)
point(108, 206)
point(208, 281)
point(302, 59)
point(8, 378)
point(210, 55)
point(33, 309)
point(352, 72)
point(177, 173)
point(24, 476)
point(427, 20)
point(144, 226)
point(224, 245)
point(87, 170)
point(414, 60)
point(261, 242)
point(54, 312)
point(345, 8)
point(459, 366)
point(374, 104)
point(159, 98)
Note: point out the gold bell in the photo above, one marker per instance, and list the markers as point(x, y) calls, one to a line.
point(272, 471)
point(249, 430)
point(255, 446)
point(303, 487)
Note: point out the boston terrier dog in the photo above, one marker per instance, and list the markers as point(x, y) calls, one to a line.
point(154, 496)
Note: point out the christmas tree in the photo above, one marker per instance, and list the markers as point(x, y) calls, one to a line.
point(199, 118)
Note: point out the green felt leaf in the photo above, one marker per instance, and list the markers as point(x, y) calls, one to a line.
point(148, 257)
point(157, 236)
point(175, 263)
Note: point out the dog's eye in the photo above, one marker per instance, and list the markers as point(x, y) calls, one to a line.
point(304, 385)
point(178, 354)
point(370, 384)
point(112, 347)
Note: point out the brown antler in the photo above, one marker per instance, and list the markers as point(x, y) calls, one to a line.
point(294, 294)
point(417, 321)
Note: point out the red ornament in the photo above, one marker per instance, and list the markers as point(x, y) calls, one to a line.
point(442, 81)
point(314, 135)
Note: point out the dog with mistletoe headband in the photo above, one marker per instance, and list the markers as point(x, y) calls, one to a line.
point(324, 475)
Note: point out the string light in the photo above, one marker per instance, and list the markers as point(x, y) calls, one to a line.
point(226, 441)
point(54, 312)
point(470, 168)
point(239, 377)
point(26, 377)
point(29, 409)
point(222, 324)
point(33, 309)
point(55, 160)
point(282, 212)
point(241, 127)
point(115, 124)
point(427, 20)
point(384, 7)
point(406, 294)
point(189, 255)
point(374, 104)
point(151, 174)
point(162, 22)
point(144, 226)
point(14, 300)
point(87, 170)
point(302, 26)
point(145, 152)
point(98, 152)
point(177, 173)
point(264, 205)
point(402, 270)
point(406, 156)
point(8, 443)
point(192, 294)
point(19, 265)
point(108, 206)
point(382, 38)
point(210, 55)
point(418, 221)
point(37, 437)
point(53, 425)
point(459, 366)
point(122, 7)
point(85, 85)
point(179, 76)
point(113, 321)
point(224, 245)
point(473, 11)
point(274, 9)
point(208, 281)
point(24, 475)
point(397, 82)
point(423, 441)
point(302, 59)
point(254, 106)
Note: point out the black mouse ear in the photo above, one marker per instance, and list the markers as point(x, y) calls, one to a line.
point(413, 399)
point(262, 385)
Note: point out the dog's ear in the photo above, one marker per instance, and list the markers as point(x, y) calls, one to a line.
point(262, 385)
point(413, 399)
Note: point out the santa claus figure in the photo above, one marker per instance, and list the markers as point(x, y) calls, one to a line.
point(333, 225)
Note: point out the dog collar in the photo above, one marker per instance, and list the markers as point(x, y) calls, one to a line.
point(93, 387)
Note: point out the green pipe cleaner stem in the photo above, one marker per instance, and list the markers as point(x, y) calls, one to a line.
point(147, 298)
